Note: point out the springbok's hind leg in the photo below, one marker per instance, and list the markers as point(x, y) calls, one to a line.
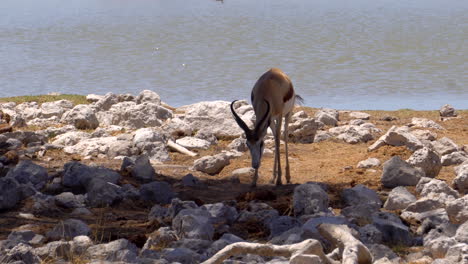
point(286, 136)
point(274, 174)
point(277, 149)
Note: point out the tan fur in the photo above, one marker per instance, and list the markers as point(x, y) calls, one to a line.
point(273, 86)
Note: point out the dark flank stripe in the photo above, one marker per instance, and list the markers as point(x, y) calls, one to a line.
point(289, 95)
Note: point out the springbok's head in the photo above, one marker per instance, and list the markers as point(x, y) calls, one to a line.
point(254, 137)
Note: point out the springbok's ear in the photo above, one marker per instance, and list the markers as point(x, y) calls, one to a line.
point(240, 122)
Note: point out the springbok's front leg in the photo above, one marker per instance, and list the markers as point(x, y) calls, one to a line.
point(286, 137)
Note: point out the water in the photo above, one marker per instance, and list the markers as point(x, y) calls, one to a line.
point(359, 54)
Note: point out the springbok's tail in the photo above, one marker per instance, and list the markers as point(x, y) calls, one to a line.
point(299, 100)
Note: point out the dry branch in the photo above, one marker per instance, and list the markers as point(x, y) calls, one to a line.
point(180, 149)
point(354, 252)
point(302, 250)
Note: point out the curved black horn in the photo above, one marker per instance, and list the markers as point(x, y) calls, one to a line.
point(260, 125)
point(240, 122)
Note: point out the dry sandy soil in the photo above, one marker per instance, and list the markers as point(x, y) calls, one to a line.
point(331, 162)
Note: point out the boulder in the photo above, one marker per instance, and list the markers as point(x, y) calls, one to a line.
point(322, 136)
point(310, 226)
point(101, 193)
point(177, 127)
point(80, 244)
point(148, 96)
point(424, 135)
point(397, 172)
point(355, 134)
point(427, 160)
point(368, 163)
point(97, 147)
point(309, 199)
point(106, 102)
point(69, 229)
point(282, 224)
point(71, 138)
point(399, 198)
point(370, 234)
point(69, 200)
point(457, 210)
point(425, 123)
point(359, 195)
point(141, 169)
point(439, 190)
point(160, 238)
point(328, 117)
point(216, 117)
point(10, 193)
point(461, 181)
point(454, 158)
point(133, 116)
point(27, 172)
point(447, 111)
point(92, 98)
point(54, 250)
point(82, 117)
point(444, 146)
point(239, 144)
point(157, 192)
point(191, 181)
point(22, 253)
point(225, 240)
point(359, 115)
point(462, 233)
point(118, 250)
point(398, 136)
point(212, 164)
point(193, 223)
point(221, 213)
point(303, 130)
point(181, 255)
point(393, 230)
point(193, 143)
point(177, 205)
point(77, 175)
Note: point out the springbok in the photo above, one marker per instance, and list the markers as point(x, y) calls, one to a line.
point(273, 98)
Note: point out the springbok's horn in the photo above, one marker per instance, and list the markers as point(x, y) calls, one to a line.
point(260, 125)
point(240, 122)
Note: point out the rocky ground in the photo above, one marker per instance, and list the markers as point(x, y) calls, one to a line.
point(106, 182)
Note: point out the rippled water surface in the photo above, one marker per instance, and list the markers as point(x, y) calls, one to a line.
point(346, 54)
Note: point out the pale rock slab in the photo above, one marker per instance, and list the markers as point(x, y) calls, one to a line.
point(82, 117)
point(369, 163)
point(454, 158)
point(360, 115)
point(398, 136)
point(397, 172)
point(457, 210)
point(425, 123)
point(427, 160)
point(444, 146)
point(193, 143)
point(399, 198)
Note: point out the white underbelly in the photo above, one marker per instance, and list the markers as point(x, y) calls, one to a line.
point(289, 105)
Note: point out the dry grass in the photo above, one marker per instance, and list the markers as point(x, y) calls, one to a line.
point(74, 98)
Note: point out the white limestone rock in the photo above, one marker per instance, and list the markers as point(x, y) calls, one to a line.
point(398, 136)
point(399, 198)
point(368, 163)
point(427, 160)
